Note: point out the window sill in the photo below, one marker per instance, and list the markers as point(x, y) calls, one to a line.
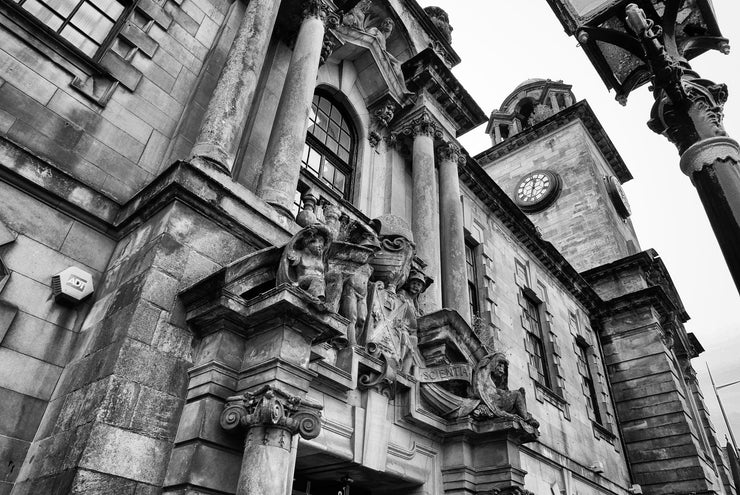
point(334, 197)
point(601, 431)
point(544, 393)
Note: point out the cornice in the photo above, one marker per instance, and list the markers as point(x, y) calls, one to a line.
point(579, 111)
point(650, 297)
point(655, 271)
point(426, 71)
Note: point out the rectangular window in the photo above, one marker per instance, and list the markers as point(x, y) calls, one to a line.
point(472, 275)
point(589, 389)
point(521, 274)
point(535, 338)
point(87, 25)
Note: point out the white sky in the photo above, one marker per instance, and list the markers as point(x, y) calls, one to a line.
point(504, 42)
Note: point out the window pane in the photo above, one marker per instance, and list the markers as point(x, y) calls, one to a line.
point(43, 14)
point(306, 151)
point(328, 173)
point(336, 115)
point(75, 37)
point(325, 105)
point(61, 7)
point(332, 145)
point(314, 162)
point(333, 131)
point(344, 140)
point(319, 133)
point(343, 154)
point(91, 22)
point(339, 181)
point(111, 8)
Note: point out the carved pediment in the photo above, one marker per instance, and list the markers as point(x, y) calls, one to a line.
point(380, 72)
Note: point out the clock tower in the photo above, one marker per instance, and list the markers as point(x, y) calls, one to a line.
point(553, 158)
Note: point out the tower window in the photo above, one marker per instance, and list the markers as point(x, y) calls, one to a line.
point(561, 100)
point(504, 130)
point(88, 25)
point(330, 144)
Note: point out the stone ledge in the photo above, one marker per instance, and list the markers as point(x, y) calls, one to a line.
point(200, 186)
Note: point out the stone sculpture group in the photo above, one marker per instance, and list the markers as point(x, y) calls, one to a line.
point(369, 274)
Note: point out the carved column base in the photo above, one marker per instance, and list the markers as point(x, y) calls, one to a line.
point(713, 166)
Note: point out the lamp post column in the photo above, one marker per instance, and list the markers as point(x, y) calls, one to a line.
point(452, 233)
point(228, 108)
point(688, 111)
point(282, 165)
point(713, 166)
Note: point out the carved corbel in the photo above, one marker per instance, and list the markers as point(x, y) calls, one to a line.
point(273, 407)
point(382, 115)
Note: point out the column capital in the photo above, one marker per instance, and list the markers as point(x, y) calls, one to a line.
point(692, 112)
point(316, 9)
point(449, 151)
point(272, 407)
point(424, 125)
point(421, 125)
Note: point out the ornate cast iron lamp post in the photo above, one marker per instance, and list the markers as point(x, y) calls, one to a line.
point(631, 44)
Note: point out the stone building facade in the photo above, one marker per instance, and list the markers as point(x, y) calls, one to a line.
point(242, 251)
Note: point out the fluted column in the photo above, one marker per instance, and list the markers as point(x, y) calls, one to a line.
point(282, 165)
point(424, 223)
point(271, 418)
point(229, 106)
point(452, 234)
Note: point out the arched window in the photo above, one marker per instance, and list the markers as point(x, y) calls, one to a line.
point(330, 146)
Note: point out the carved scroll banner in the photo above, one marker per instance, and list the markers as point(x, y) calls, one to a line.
point(444, 373)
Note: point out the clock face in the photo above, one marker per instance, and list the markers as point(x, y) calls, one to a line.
point(537, 190)
point(618, 197)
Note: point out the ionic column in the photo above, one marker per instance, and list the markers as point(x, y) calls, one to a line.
point(271, 418)
point(452, 234)
point(424, 224)
point(282, 165)
point(227, 110)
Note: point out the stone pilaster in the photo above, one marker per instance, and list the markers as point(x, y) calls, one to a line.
point(282, 164)
point(227, 111)
point(271, 418)
point(452, 235)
